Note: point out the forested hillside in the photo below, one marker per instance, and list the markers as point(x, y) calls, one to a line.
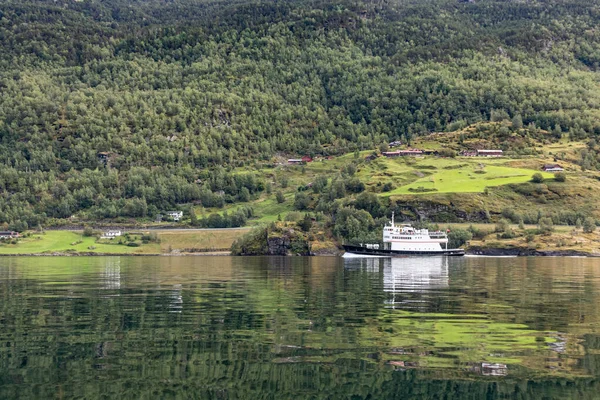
point(129, 107)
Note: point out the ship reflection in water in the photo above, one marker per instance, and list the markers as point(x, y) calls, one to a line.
point(414, 283)
point(418, 288)
point(415, 274)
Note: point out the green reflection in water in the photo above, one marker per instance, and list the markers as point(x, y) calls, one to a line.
point(203, 327)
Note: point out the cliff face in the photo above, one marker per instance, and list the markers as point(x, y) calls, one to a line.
point(278, 246)
point(288, 244)
point(440, 210)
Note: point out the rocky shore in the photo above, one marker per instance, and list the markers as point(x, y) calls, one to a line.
point(526, 252)
point(281, 247)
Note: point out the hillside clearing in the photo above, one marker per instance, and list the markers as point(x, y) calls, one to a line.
point(468, 180)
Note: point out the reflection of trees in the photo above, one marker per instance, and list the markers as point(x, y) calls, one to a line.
point(591, 360)
point(550, 294)
point(199, 376)
point(260, 328)
point(315, 303)
point(517, 301)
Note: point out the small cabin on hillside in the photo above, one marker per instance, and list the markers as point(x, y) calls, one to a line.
point(553, 168)
point(489, 153)
point(9, 235)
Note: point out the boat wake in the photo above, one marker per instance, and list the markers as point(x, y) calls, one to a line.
point(354, 255)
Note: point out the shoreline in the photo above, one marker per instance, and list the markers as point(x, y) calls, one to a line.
point(90, 254)
point(477, 251)
point(525, 252)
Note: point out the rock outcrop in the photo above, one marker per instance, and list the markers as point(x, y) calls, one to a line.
point(526, 252)
point(282, 239)
point(278, 246)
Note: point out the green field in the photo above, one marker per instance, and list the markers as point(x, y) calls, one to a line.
point(266, 208)
point(63, 241)
point(170, 241)
point(468, 179)
point(445, 175)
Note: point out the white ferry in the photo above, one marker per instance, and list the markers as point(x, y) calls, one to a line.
point(405, 240)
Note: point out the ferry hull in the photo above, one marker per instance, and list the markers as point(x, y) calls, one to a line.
point(402, 253)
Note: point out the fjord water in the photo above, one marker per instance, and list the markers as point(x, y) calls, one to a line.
point(279, 328)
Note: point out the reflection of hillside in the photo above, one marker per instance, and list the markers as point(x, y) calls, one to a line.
point(220, 324)
point(107, 271)
point(180, 367)
point(545, 293)
point(184, 270)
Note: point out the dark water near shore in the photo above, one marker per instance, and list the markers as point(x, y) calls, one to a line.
point(280, 328)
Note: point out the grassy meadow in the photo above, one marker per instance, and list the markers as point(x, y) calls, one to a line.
point(170, 241)
point(423, 176)
point(66, 241)
point(468, 179)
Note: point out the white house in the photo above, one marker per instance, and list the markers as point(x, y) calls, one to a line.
point(9, 235)
point(111, 234)
point(553, 168)
point(175, 215)
point(489, 153)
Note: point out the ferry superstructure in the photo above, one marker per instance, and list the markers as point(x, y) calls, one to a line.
point(405, 240)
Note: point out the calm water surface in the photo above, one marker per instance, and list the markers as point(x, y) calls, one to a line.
point(318, 328)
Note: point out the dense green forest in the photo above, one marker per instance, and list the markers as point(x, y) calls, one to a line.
point(127, 108)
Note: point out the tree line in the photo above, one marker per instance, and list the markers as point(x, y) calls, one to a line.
point(134, 104)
